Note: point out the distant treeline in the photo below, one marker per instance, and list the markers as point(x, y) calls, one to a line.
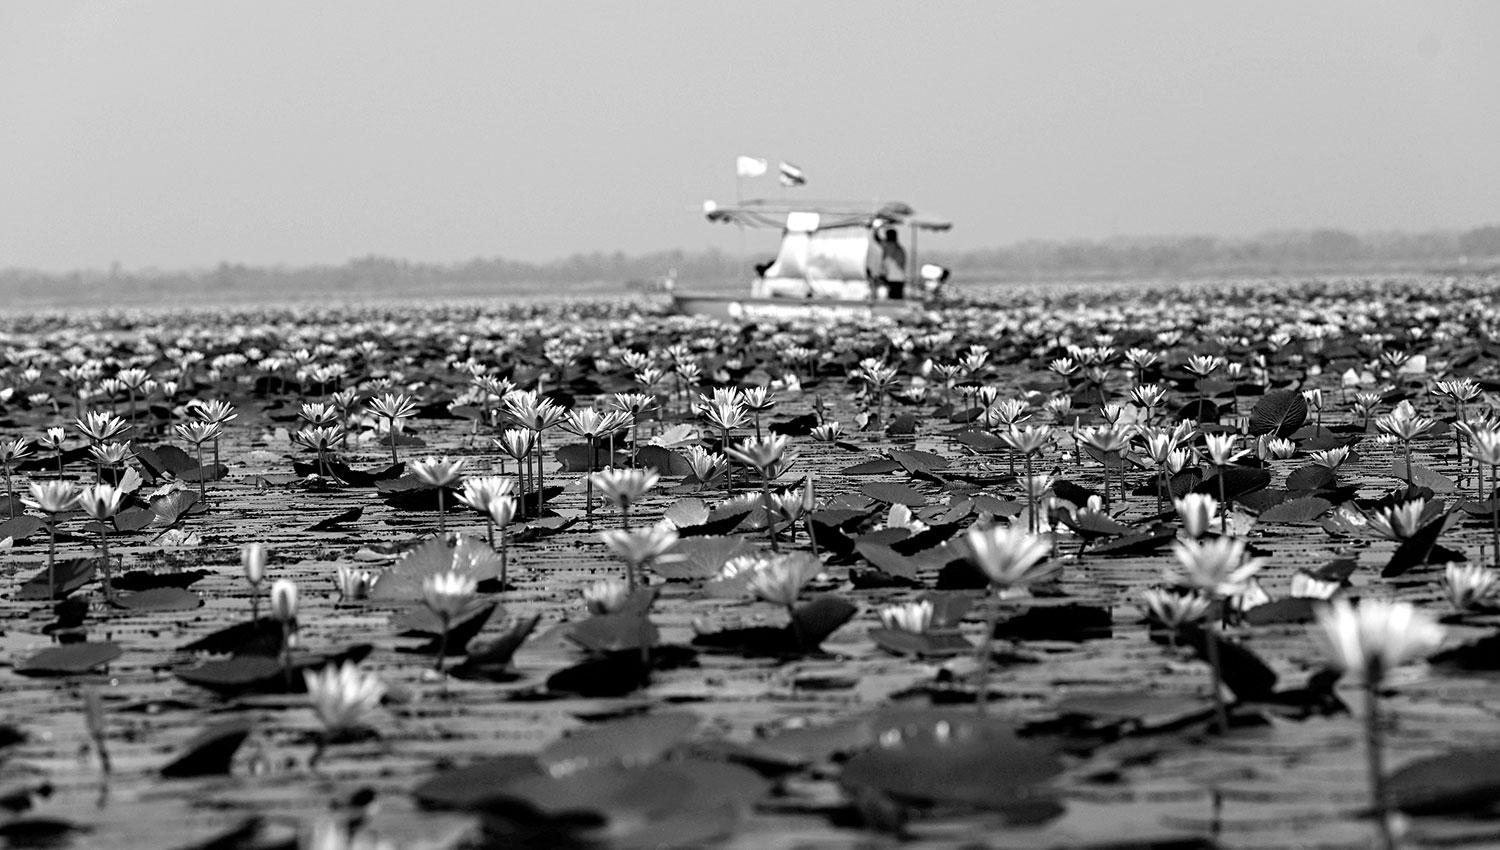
point(1280, 251)
point(613, 273)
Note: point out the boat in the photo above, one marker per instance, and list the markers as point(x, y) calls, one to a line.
point(836, 261)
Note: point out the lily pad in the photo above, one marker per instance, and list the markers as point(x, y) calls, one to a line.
point(703, 557)
point(891, 493)
point(878, 466)
point(160, 599)
point(67, 576)
point(70, 659)
point(628, 742)
point(211, 751)
point(611, 632)
point(490, 659)
point(21, 527)
point(1279, 412)
point(1465, 780)
point(947, 757)
point(1301, 511)
point(933, 644)
point(469, 787)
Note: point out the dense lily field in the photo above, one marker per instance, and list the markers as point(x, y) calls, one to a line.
point(1167, 566)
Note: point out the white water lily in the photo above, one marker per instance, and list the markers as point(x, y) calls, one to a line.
point(605, 596)
point(1375, 637)
point(1011, 556)
point(1197, 512)
point(1305, 586)
point(343, 697)
point(912, 617)
point(900, 516)
point(1173, 608)
point(1469, 585)
point(1217, 567)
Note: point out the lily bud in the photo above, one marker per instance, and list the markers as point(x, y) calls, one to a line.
point(253, 558)
point(284, 600)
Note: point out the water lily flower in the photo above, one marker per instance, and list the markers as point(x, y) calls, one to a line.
point(1173, 608)
point(1011, 557)
point(438, 472)
point(592, 425)
point(98, 426)
point(1196, 512)
point(111, 453)
point(1468, 586)
point(446, 594)
point(1149, 396)
point(1064, 366)
point(826, 432)
point(706, 465)
point(1280, 448)
point(624, 487)
point(900, 516)
point(394, 408)
point(479, 490)
point(911, 617)
point(51, 497)
point(101, 501)
point(639, 547)
point(1221, 449)
point(1028, 440)
point(779, 579)
point(1398, 522)
point(217, 411)
point(1204, 365)
point(760, 454)
point(606, 596)
point(1305, 586)
point(1217, 566)
point(1330, 459)
point(632, 405)
point(319, 414)
point(1375, 637)
point(343, 697)
point(353, 583)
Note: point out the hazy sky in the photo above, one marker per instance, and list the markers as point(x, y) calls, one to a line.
point(186, 133)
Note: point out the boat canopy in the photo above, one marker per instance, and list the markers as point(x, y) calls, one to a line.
point(837, 257)
point(826, 215)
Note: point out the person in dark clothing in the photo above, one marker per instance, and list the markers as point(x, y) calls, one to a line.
point(892, 271)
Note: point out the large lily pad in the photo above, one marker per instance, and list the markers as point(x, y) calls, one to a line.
point(629, 742)
point(70, 659)
point(948, 757)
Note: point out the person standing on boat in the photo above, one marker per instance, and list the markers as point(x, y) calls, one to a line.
point(889, 270)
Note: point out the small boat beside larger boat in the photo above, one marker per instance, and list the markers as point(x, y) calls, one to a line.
point(835, 260)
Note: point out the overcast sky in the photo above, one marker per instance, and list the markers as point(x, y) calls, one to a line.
point(185, 133)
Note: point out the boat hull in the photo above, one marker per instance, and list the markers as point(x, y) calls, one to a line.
point(746, 307)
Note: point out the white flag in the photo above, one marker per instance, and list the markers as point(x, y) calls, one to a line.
point(749, 166)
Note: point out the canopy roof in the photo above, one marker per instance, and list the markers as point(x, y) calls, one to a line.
point(830, 214)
